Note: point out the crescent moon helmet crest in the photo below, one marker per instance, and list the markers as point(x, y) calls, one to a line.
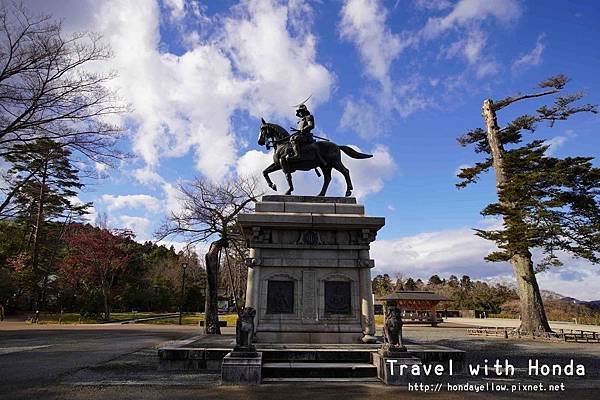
point(299, 105)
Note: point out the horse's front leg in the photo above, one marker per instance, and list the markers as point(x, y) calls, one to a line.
point(326, 179)
point(271, 168)
point(288, 176)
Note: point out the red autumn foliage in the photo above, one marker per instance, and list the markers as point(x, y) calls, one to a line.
point(95, 258)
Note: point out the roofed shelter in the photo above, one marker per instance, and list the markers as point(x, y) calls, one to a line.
point(417, 307)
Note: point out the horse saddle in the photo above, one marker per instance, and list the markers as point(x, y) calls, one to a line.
point(307, 152)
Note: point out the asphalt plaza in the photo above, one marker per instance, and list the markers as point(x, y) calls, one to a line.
point(120, 362)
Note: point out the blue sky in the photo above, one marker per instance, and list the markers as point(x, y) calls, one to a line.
point(401, 79)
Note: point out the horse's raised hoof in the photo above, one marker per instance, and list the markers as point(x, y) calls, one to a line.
point(348, 193)
point(273, 186)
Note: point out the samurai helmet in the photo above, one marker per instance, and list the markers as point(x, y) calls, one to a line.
point(301, 108)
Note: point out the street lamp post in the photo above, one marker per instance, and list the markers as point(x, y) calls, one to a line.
point(184, 267)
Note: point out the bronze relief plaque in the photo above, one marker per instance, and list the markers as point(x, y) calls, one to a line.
point(280, 297)
point(337, 297)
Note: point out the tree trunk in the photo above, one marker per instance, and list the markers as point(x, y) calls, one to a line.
point(39, 221)
point(106, 295)
point(533, 316)
point(211, 311)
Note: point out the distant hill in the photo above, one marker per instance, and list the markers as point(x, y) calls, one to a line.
point(550, 295)
point(595, 304)
point(573, 300)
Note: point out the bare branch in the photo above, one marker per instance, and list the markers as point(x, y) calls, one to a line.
point(46, 92)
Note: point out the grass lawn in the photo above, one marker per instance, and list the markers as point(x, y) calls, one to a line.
point(76, 318)
point(193, 319)
point(188, 318)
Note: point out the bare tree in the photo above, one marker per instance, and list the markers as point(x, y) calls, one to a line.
point(208, 213)
point(48, 89)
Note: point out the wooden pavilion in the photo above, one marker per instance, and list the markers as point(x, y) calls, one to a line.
point(417, 307)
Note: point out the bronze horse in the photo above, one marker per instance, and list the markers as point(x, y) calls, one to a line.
point(328, 158)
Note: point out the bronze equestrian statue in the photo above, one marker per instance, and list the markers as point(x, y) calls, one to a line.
point(301, 152)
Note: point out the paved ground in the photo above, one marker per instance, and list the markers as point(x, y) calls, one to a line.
point(502, 322)
point(119, 362)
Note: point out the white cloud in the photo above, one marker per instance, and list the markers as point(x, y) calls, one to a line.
point(467, 12)
point(114, 203)
point(185, 102)
point(364, 24)
point(531, 59)
point(100, 167)
point(434, 5)
point(554, 144)
point(459, 252)
point(364, 118)
point(92, 213)
point(198, 248)
point(472, 48)
point(275, 55)
point(467, 18)
point(139, 225)
point(146, 176)
point(177, 8)
point(455, 251)
point(577, 278)
point(371, 115)
point(4, 179)
point(172, 198)
point(368, 175)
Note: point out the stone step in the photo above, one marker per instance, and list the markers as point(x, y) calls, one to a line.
point(318, 370)
point(317, 355)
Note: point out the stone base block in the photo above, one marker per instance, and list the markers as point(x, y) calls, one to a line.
point(242, 370)
point(398, 371)
point(370, 339)
point(174, 359)
point(309, 337)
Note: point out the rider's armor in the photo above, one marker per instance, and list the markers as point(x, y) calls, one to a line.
point(306, 123)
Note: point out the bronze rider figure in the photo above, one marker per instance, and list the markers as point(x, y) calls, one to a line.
point(303, 134)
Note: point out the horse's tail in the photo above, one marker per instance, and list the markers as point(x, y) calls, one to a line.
point(353, 153)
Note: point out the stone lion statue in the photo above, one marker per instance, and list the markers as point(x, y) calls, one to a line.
point(392, 329)
point(244, 332)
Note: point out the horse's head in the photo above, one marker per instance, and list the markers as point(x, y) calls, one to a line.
point(272, 132)
point(263, 132)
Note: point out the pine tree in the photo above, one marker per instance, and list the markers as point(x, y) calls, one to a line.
point(48, 182)
point(382, 285)
point(546, 203)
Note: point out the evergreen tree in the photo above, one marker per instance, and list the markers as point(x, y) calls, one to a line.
point(434, 280)
point(48, 183)
point(546, 203)
point(410, 284)
point(382, 284)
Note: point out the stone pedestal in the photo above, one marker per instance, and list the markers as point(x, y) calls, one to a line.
point(309, 275)
point(242, 369)
point(397, 372)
